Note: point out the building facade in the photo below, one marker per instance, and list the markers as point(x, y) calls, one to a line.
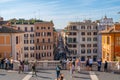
point(111, 43)
point(81, 40)
point(28, 39)
point(44, 40)
point(11, 45)
point(102, 25)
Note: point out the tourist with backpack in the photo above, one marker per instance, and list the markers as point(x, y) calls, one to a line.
point(58, 72)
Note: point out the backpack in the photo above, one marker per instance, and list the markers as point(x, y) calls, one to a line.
point(58, 69)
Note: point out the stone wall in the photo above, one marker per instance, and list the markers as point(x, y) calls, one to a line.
point(52, 65)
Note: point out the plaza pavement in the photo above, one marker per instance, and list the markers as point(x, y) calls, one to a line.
point(51, 75)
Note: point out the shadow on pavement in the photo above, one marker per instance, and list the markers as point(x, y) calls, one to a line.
point(81, 77)
point(2, 74)
point(44, 72)
point(44, 77)
point(86, 73)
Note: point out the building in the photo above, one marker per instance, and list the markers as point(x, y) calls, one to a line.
point(44, 40)
point(81, 40)
point(11, 45)
point(102, 25)
point(28, 37)
point(111, 43)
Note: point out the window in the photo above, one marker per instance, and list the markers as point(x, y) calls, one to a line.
point(88, 27)
point(37, 27)
point(31, 41)
point(94, 45)
point(48, 33)
point(82, 27)
point(43, 40)
point(108, 40)
point(94, 58)
point(94, 50)
point(25, 41)
point(82, 50)
point(82, 58)
point(18, 28)
point(37, 33)
point(25, 35)
point(69, 40)
point(31, 29)
point(48, 27)
point(37, 40)
point(88, 33)
point(74, 46)
point(82, 45)
point(31, 35)
point(16, 39)
point(41, 27)
point(49, 54)
point(74, 33)
point(88, 39)
point(26, 29)
point(74, 40)
point(26, 55)
point(37, 47)
point(83, 39)
point(74, 28)
point(26, 48)
point(95, 39)
point(88, 51)
point(32, 48)
point(82, 33)
point(32, 54)
point(49, 40)
point(88, 45)
point(94, 33)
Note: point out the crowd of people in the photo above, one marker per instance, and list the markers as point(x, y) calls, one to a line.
point(6, 63)
point(75, 65)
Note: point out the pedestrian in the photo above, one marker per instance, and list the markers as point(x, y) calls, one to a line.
point(2, 63)
point(58, 71)
point(118, 65)
point(6, 63)
point(99, 64)
point(78, 65)
point(67, 63)
point(90, 64)
point(34, 69)
point(11, 64)
point(105, 66)
point(19, 67)
point(87, 64)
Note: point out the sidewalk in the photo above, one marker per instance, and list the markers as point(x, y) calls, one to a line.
point(51, 75)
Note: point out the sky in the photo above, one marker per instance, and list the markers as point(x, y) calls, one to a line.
point(60, 11)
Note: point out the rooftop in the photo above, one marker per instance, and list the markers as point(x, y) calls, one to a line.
point(5, 29)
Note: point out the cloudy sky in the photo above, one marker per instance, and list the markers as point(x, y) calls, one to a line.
point(60, 11)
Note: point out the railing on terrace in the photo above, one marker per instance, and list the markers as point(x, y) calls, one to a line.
point(52, 65)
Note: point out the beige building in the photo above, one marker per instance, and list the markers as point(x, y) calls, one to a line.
point(28, 37)
point(81, 40)
point(44, 40)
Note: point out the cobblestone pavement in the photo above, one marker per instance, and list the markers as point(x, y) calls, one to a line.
point(51, 75)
